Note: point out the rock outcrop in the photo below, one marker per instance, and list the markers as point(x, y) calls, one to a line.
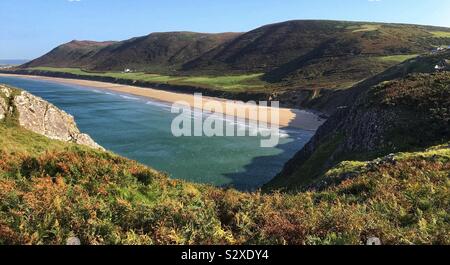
point(39, 116)
point(5, 93)
point(3, 108)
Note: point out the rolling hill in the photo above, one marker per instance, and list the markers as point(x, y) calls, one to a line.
point(72, 54)
point(301, 63)
point(286, 46)
point(292, 50)
point(157, 52)
point(403, 109)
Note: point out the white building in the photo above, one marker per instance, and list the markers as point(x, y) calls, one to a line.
point(442, 65)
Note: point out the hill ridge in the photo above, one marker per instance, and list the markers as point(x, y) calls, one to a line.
point(297, 60)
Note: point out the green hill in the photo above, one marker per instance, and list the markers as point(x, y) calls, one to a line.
point(72, 54)
point(403, 114)
point(282, 49)
point(330, 101)
point(157, 52)
point(294, 62)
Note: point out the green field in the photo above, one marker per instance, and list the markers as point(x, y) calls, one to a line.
point(441, 34)
point(235, 83)
point(397, 58)
point(364, 28)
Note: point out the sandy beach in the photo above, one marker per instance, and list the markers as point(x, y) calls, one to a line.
point(287, 117)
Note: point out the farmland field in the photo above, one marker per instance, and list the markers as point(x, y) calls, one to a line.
point(441, 34)
point(228, 82)
point(397, 58)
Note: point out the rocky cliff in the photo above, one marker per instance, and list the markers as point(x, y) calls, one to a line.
point(39, 116)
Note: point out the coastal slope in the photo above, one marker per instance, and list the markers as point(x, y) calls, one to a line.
point(72, 54)
point(396, 115)
point(52, 190)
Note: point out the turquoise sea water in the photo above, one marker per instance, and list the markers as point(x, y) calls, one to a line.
point(140, 129)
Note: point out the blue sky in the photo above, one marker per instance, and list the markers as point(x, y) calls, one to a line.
point(30, 28)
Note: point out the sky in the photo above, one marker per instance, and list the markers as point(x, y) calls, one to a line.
point(30, 28)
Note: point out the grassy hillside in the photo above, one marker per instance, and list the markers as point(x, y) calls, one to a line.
point(320, 54)
point(399, 115)
point(294, 61)
point(331, 101)
point(157, 52)
point(50, 191)
point(271, 46)
point(355, 51)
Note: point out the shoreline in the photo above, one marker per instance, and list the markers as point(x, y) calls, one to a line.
point(301, 119)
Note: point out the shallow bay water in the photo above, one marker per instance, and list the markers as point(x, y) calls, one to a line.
point(140, 129)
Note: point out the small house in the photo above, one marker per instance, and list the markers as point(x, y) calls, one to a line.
point(441, 66)
point(438, 67)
